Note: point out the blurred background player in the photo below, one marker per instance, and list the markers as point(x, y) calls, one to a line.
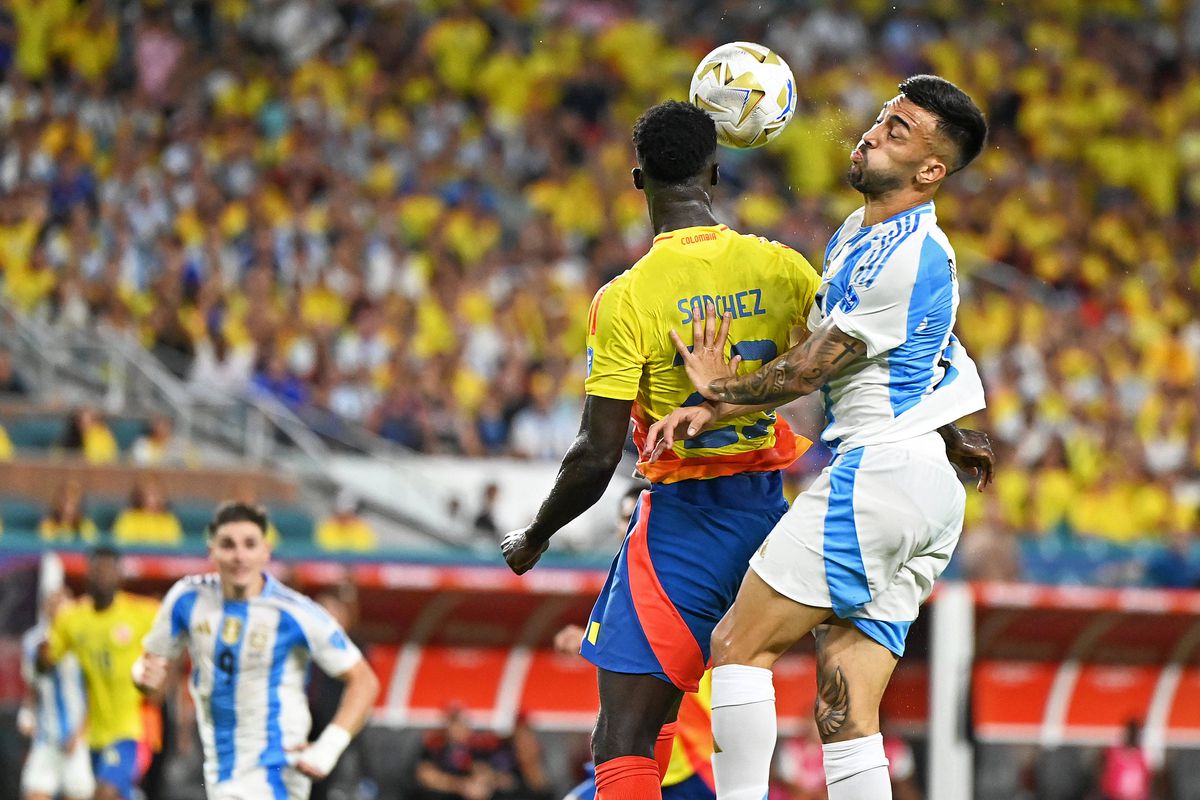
point(104, 630)
point(714, 497)
point(860, 549)
point(251, 640)
point(54, 715)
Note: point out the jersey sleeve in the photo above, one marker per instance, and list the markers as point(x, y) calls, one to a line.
point(806, 280)
point(29, 648)
point(874, 308)
point(59, 639)
point(166, 627)
point(614, 354)
point(327, 643)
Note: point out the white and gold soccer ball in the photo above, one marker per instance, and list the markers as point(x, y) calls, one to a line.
point(749, 92)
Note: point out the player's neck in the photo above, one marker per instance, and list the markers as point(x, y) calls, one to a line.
point(672, 209)
point(253, 589)
point(889, 204)
point(103, 601)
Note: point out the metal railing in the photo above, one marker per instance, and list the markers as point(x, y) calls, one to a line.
point(70, 367)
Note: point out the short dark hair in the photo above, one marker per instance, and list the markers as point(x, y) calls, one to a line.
point(237, 511)
point(674, 141)
point(105, 550)
point(959, 119)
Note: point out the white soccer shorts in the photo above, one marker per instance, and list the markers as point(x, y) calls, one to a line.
point(870, 536)
point(258, 785)
point(50, 771)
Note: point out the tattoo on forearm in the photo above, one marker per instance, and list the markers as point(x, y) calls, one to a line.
point(801, 370)
point(832, 706)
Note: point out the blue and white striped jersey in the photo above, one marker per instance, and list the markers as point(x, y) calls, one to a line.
point(894, 286)
point(249, 661)
point(61, 693)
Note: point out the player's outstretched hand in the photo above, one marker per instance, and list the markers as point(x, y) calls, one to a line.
point(971, 451)
point(520, 551)
point(682, 423)
point(705, 362)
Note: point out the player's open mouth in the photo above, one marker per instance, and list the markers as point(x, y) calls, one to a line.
point(856, 156)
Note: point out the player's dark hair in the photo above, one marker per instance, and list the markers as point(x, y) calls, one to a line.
point(236, 511)
point(674, 141)
point(104, 551)
point(959, 119)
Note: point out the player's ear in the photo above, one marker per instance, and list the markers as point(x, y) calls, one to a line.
point(639, 180)
point(716, 174)
point(933, 171)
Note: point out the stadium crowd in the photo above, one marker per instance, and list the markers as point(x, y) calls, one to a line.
point(394, 214)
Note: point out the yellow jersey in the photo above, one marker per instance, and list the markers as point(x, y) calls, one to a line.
point(767, 288)
point(106, 643)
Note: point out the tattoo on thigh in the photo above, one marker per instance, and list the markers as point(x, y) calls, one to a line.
point(832, 707)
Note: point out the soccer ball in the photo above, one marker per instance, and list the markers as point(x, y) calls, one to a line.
point(749, 92)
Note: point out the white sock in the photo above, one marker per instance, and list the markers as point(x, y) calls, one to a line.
point(857, 769)
point(743, 723)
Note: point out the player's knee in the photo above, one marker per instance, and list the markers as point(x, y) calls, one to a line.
point(629, 737)
point(728, 647)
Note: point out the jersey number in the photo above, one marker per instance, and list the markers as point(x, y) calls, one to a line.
point(760, 350)
point(225, 663)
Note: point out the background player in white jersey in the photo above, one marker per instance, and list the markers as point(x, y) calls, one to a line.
point(860, 549)
point(251, 639)
point(54, 716)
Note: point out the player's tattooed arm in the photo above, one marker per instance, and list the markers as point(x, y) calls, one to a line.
point(800, 371)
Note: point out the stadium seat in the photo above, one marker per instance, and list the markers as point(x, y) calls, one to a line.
point(127, 430)
point(20, 515)
point(194, 516)
point(295, 525)
point(104, 512)
point(35, 433)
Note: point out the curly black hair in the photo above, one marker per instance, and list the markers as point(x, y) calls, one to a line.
point(959, 119)
point(674, 141)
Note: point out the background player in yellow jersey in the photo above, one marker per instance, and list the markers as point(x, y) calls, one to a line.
point(713, 498)
point(104, 631)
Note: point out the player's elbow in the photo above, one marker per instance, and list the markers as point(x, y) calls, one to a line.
point(363, 680)
point(594, 461)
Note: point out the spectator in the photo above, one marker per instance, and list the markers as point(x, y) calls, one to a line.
point(219, 372)
point(799, 766)
point(11, 381)
point(345, 531)
point(158, 446)
point(546, 427)
point(1125, 773)
point(902, 768)
point(1174, 567)
point(148, 519)
point(87, 433)
point(65, 521)
point(450, 767)
point(517, 763)
point(485, 520)
point(325, 692)
point(988, 549)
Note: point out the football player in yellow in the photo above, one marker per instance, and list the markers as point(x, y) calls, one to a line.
point(714, 496)
point(104, 630)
